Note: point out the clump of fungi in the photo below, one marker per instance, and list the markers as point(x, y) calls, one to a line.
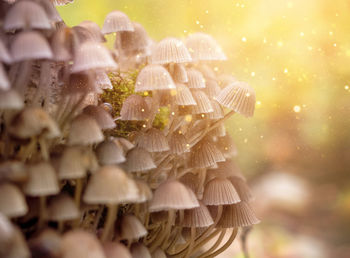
point(114, 153)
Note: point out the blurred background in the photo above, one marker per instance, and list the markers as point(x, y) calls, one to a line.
point(295, 151)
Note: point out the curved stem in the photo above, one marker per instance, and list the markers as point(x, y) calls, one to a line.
point(78, 190)
point(179, 230)
point(190, 247)
point(44, 149)
point(165, 233)
point(226, 245)
point(42, 215)
point(111, 215)
point(97, 218)
point(217, 243)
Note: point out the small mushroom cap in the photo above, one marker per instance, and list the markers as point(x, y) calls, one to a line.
point(140, 251)
point(33, 121)
point(117, 21)
point(180, 74)
point(79, 83)
point(102, 117)
point(198, 217)
point(145, 191)
point(242, 188)
point(170, 50)
point(138, 160)
point(84, 131)
point(131, 42)
point(61, 44)
point(110, 185)
point(153, 140)
point(17, 248)
point(61, 208)
point(4, 81)
point(195, 79)
point(30, 45)
point(225, 169)
point(205, 154)
point(13, 170)
point(10, 99)
point(203, 103)
point(61, 2)
point(134, 108)
point(131, 228)
point(154, 77)
point(25, 15)
point(178, 144)
point(42, 180)
point(12, 202)
point(239, 97)
point(237, 215)
point(7, 232)
point(172, 194)
point(80, 244)
point(73, 163)
point(102, 80)
point(220, 191)
point(212, 88)
point(92, 55)
point(116, 250)
point(94, 29)
point(217, 113)
point(203, 47)
point(110, 153)
point(183, 96)
point(124, 143)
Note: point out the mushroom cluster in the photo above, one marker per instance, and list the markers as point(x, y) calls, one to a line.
point(71, 183)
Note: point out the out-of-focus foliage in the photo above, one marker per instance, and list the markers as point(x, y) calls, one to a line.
point(296, 55)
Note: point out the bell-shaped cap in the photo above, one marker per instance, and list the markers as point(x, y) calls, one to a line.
point(84, 130)
point(12, 201)
point(195, 79)
point(92, 55)
point(73, 163)
point(237, 215)
point(110, 153)
point(10, 99)
point(178, 144)
point(180, 74)
point(139, 160)
point(226, 79)
point(13, 171)
point(153, 140)
point(30, 45)
point(26, 15)
point(102, 80)
point(33, 121)
point(172, 195)
point(154, 77)
point(131, 228)
point(134, 108)
point(102, 117)
point(42, 180)
point(61, 2)
point(220, 191)
point(131, 42)
point(4, 53)
point(145, 191)
point(61, 44)
point(203, 47)
point(242, 188)
point(81, 244)
point(239, 97)
point(94, 30)
point(116, 21)
point(183, 96)
point(116, 250)
point(198, 217)
point(80, 83)
point(217, 113)
point(203, 103)
point(4, 81)
point(170, 50)
point(110, 185)
point(124, 143)
point(205, 154)
point(225, 169)
point(62, 208)
point(212, 88)
point(138, 250)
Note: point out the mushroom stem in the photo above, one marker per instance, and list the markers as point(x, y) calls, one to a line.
point(42, 214)
point(179, 230)
point(60, 226)
point(226, 245)
point(97, 218)
point(43, 148)
point(164, 235)
point(202, 174)
point(217, 243)
point(111, 216)
point(77, 193)
point(22, 77)
point(190, 247)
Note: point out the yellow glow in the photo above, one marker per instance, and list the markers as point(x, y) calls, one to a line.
point(297, 109)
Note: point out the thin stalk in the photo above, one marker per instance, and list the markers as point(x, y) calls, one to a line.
point(217, 243)
point(109, 225)
point(179, 230)
point(98, 217)
point(78, 190)
point(226, 245)
point(190, 247)
point(165, 233)
point(44, 149)
point(42, 214)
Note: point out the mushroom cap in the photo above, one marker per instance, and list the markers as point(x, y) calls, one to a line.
point(183, 96)
point(61, 44)
point(61, 2)
point(10, 99)
point(239, 97)
point(195, 79)
point(73, 163)
point(227, 146)
point(140, 251)
point(131, 228)
point(203, 47)
point(203, 103)
point(84, 130)
point(212, 88)
point(26, 15)
point(61, 208)
point(94, 29)
point(131, 42)
point(138, 160)
point(134, 108)
point(116, 250)
point(80, 244)
point(170, 50)
point(110, 153)
point(4, 81)
point(217, 113)
point(198, 217)
point(102, 80)
point(159, 253)
point(153, 140)
point(116, 21)
point(12, 201)
point(225, 169)
point(13, 171)
point(92, 55)
point(42, 180)
point(110, 185)
point(33, 121)
point(79, 83)
point(154, 77)
point(220, 191)
point(205, 154)
point(172, 194)
point(237, 215)
point(178, 144)
point(102, 117)
point(30, 45)
point(4, 53)
point(180, 74)
point(145, 191)
point(242, 189)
